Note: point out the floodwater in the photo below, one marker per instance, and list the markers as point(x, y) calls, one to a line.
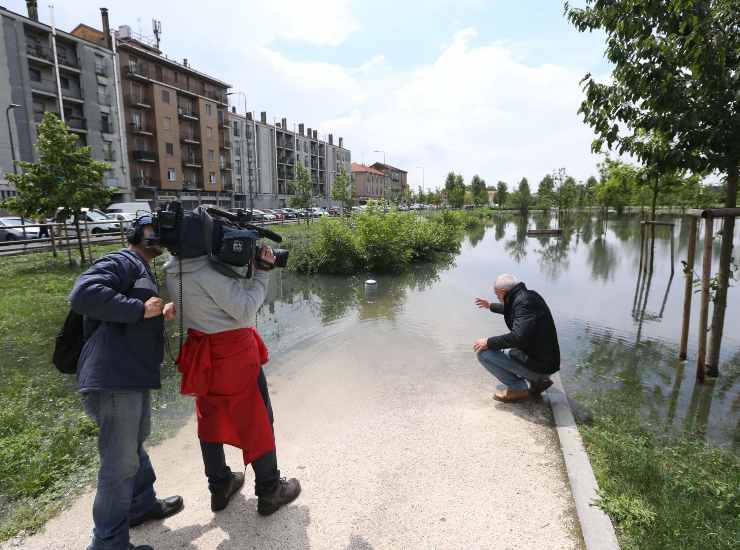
point(614, 335)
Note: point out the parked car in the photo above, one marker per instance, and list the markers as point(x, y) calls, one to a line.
point(288, 214)
point(277, 213)
point(9, 231)
point(267, 216)
point(319, 211)
point(127, 218)
point(137, 208)
point(97, 221)
point(334, 211)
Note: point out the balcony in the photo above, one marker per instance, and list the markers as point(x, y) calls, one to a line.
point(145, 181)
point(101, 69)
point(190, 137)
point(73, 94)
point(225, 165)
point(138, 100)
point(144, 156)
point(187, 113)
point(68, 61)
point(192, 160)
point(106, 127)
point(109, 156)
point(105, 99)
point(222, 120)
point(225, 142)
point(40, 52)
point(44, 86)
point(76, 124)
point(192, 185)
point(141, 129)
point(137, 71)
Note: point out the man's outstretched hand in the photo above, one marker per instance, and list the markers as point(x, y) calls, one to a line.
point(480, 345)
point(483, 304)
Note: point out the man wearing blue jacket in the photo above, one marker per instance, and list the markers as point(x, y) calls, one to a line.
point(119, 365)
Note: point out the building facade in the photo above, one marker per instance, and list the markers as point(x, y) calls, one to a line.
point(46, 70)
point(398, 184)
point(368, 183)
point(266, 155)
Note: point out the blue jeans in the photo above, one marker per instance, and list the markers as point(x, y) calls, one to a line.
point(126, 478)
point(510, 372)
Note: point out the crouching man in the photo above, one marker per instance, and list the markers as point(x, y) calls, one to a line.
point(118, 367)
point(221, 365)
point(524, 358)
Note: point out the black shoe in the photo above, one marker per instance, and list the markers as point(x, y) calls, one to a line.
point(284, 493)
point(536, 388)
point(219, 499)
point(163, 508)
point(140, 547)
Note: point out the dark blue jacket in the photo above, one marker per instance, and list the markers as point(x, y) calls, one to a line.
point(533, 339)
point(123, 351)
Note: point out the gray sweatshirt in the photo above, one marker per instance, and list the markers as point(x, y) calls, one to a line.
point(213, 302)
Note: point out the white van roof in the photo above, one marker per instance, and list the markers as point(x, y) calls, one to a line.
point(131, 207)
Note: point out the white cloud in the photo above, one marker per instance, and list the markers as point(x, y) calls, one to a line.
point(475, 109)
point(323, 22)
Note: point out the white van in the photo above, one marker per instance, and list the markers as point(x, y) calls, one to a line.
point(137, 208)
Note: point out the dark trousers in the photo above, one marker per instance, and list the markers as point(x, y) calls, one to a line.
point(266, 473)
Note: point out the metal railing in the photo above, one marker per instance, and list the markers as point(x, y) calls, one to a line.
point(145, 155)
point(77, 123)
point(37, 50)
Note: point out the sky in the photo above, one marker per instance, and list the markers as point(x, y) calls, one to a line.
point(471, 86)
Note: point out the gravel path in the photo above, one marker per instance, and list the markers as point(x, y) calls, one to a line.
point(401, 448)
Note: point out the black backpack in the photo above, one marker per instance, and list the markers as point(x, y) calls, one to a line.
point(70, 340)
point(68, 343)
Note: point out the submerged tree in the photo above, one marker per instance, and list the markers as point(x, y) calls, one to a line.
point(676, 71)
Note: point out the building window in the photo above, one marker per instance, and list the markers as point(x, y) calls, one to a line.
point(168, 123)
point(35, 75)
point(211, 155)
point(171, 172)
point(169, 148)
point(211, 177)
point(236, 128)
point(65, 82)
point(165, 96)
point(106, 126)
point(238, 167)
point(209, 131)
point(209, 108)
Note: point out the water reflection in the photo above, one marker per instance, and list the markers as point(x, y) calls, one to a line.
point(618, 327)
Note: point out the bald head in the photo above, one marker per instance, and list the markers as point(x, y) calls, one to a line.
point(505, 281)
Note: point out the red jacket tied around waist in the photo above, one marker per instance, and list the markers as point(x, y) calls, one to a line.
point(221, 371)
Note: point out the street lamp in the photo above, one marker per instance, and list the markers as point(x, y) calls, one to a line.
point(10, 133)
point(249, 161)
point(380, 151)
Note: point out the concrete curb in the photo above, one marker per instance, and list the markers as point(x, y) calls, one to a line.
point(598, 531)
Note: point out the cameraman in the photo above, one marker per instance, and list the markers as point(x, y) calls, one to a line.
point(221, 365)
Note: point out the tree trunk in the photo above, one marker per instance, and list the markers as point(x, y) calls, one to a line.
point(725, 258)
point(79, 240)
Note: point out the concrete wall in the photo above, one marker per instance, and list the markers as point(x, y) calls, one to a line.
point(16, 87)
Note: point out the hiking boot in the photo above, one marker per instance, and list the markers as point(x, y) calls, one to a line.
point(220, 498)
point(536, 388)
point(163, 508)
point(285, 492)
point(511, 396)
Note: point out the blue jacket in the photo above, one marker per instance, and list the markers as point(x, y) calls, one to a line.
point(122, 351)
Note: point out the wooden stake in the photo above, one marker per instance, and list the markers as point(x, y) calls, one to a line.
point(688, 288)
point(704, 311)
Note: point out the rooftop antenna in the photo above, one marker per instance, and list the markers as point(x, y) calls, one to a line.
point(157, 30)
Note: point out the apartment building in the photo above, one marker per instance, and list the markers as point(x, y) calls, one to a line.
point(46, 70)
point(368, 183)
point(398, 184)
point(266, 155)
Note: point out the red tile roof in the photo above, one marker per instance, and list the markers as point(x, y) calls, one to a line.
point(356, 167)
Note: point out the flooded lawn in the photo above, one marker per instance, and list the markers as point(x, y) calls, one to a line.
point(614, 335)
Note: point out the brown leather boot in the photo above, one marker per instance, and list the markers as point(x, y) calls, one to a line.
point(511, 396)
point(285, 492)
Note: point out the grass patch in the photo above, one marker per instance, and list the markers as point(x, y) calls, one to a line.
point(662, 491)
point(48, 446)
point(377, 242)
